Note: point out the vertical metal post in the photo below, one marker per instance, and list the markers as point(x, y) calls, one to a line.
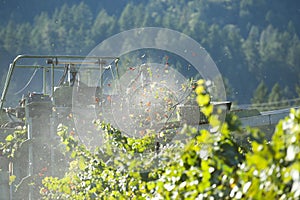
point(52, 79)
point(101, 71)
point(101, 76)
point(118, 86)
point(11, 172)
point(44, 80)
point(30, 155)
point(52, 136)
point(117, 68)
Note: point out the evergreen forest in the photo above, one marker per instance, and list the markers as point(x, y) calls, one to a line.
point(254, 43)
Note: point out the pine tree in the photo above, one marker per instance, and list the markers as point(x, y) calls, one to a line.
point(260, 94)
point(275, 96)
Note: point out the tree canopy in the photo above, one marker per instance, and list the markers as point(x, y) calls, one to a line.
point(250, 41)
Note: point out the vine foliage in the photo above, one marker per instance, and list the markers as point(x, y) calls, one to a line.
point(230, 169)
point(208, 165)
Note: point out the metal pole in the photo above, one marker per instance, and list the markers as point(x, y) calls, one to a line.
point(8, 78)
point(52, 79)
point(45, 80)
point(6, 85)
point(30, 155)
point(52, 138)
point(101, 74)
point(11, 172)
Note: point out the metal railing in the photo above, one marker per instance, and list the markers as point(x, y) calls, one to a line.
point(52, 63)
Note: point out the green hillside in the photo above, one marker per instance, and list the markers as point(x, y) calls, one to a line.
point(251, 42)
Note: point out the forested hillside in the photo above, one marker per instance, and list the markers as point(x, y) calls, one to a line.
point(255, 44)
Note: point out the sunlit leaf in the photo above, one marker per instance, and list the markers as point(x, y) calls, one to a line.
point(12, 178)
point(203, 100)
point(81, 163)
point(9, 138)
